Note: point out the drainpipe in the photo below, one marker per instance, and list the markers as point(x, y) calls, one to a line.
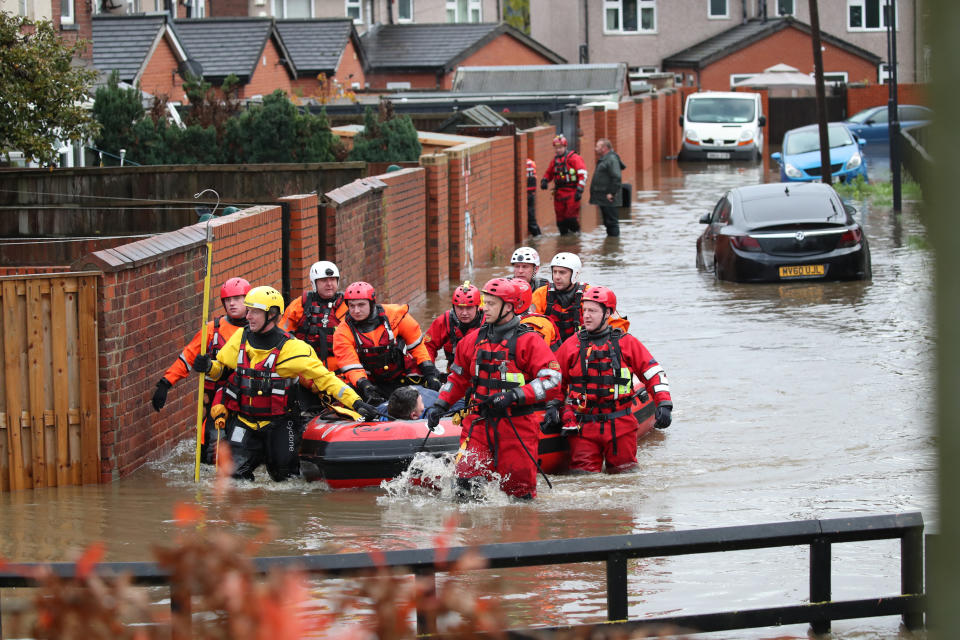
point(499, 15)
point(585, 58)
point(389, 11)
point(744, 5)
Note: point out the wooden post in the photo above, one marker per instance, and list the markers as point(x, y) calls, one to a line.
point(35, 382)
point(61, 389)
point(89, 380)
point(12, 345)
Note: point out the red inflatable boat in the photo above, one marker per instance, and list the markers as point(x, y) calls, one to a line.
point(363, 454)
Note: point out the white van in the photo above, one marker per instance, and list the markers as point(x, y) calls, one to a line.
point(722, 125)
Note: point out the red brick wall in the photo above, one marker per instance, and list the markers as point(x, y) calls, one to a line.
point(269, 75)
point(350, 69)
point(860, 98)
point(589, 119)
point(626, 141)
point(438, 220)
point(644, 132)
point(151, 301)
point(417, 80)
point(228, 8)
point(503, 50)
point(520, 187)
point(304, 240)
point(23, 271)
point(354, 231)
point(540, 149)
point(161, 77)
point(405, 219)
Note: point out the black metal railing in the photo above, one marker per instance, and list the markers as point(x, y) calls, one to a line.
point(615, 551)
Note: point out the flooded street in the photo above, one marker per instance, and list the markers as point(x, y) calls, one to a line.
point(792, 401)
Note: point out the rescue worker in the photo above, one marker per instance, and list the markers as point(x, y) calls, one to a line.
point(314, 315)
point(569, 175)
point(261, 364)
point(512, 374)
point(215, 333)
point(598, 366)
point(379, 345)
point(543, 325)
point(605, 186)
point(532, 227)
point(450, 327)
point(560, 300)
point(526, 263)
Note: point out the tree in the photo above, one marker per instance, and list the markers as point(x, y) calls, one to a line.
point(386, 137)
point(517, 14)
point(277, 132)
point(41, 91)
point(119, 111)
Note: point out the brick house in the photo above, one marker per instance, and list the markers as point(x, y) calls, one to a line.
point(249, 48)
point(144, 50)
point(366, 13)
point(643, 33)
point(425, 56)
point(717, 62)
point(328, 47)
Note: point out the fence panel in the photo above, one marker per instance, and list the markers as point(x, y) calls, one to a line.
point(49, 409)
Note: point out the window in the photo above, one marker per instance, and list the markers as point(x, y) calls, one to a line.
point(464, 11)
point(786, 7)
point(883, 73)
point(911, 113)
point(66, 11)
point(867, 15)
point(355, 11)
point(405, 10)
point(292, 8)
point(737, 77)
point(629, 16)
point(717, 9)
point(833, 77)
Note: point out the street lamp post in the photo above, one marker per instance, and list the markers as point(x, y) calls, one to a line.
point(893, 111)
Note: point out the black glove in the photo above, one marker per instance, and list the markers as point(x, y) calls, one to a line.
point(663, 417)
point(551, 417)
point(160, 395)
point(369, 392)
point(435, 412)
point(499, 403)
point(369, 412)
point(578, 194)
point(544, 184)
point(202, 363)
point(431, 377)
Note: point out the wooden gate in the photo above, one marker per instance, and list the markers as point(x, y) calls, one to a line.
point(790, 113)
point(49, 404)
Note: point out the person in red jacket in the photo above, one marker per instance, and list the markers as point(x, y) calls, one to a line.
point(450, 327)
point(314, 315)
point(512, 374)
point(215, 333)
point(598, 366)
point(532, 227)
point(543, 325)
point(378, 345)
point(569, 175)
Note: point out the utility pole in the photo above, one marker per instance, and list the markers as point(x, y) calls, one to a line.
point(893, 111)
point(825, 174)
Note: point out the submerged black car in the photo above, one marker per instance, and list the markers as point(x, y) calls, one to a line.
point(777, 232)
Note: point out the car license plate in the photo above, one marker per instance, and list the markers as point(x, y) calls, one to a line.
point(718, 155)
point(802, 271)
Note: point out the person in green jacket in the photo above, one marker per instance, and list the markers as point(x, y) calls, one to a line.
point(605, 189)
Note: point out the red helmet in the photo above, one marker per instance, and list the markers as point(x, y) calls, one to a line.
point(525, 294)
point(360, 291)
point(505, 290)
point(560, 140)
point(466, 295)
point(601, 295)
point(234, 287)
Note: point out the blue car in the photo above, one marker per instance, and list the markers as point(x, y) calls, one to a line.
point(873, 125)
point(800, 159)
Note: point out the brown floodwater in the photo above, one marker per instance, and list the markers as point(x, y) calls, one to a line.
point(792, 401)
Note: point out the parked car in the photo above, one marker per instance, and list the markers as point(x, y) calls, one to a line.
point(873, 124)
point(721, 125)
point(800, 159)
point(783, 231)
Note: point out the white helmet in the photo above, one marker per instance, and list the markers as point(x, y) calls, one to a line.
point(526, 255)
point(323, 269)
point(570, 261)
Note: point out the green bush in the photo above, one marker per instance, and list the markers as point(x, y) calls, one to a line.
point(276, 131)
point(386, 138)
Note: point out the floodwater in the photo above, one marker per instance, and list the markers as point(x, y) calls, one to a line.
point(792, 401)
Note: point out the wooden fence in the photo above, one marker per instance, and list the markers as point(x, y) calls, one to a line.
point(49, 402)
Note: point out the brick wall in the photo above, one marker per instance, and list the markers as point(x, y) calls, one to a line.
point(161, 77)
point(540, 149)
point(437, 204)
point(626, 140)
point(860, 98)
point(644, 132)
point(304, 239)
point(353, 231)
point(589, 119)
point(405, 219)
point(269, 74)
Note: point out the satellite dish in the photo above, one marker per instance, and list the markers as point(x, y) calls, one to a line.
point(190, 66)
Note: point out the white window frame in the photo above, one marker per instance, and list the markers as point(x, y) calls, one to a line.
point(401, 18)
point(776, 9)
point(277, 4)
point(68, 18)
point(726, 11)
point(350, 4)
point(833, 77)
point(617, 5)
point(473, 6)
point(882, 70)
point(734, 77)
point(863, 12)
point(23, 8)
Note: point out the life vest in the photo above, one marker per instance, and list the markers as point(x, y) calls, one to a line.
point(567, 318)
point(531, 175)
point(600, 387)
point(258, 392)
point(496, 370)
point(318, 323)
point(456, 330)
point(214, 344)
point(565, 176)
point(386, 359)
point(542, 325)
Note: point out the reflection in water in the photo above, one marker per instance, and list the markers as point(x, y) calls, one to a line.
point(793, 401)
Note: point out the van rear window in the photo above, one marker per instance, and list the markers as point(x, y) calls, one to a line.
point(737, 110)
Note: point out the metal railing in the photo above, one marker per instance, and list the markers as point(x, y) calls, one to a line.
point(615, 551)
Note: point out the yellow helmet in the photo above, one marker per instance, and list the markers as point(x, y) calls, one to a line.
point(264, 298)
